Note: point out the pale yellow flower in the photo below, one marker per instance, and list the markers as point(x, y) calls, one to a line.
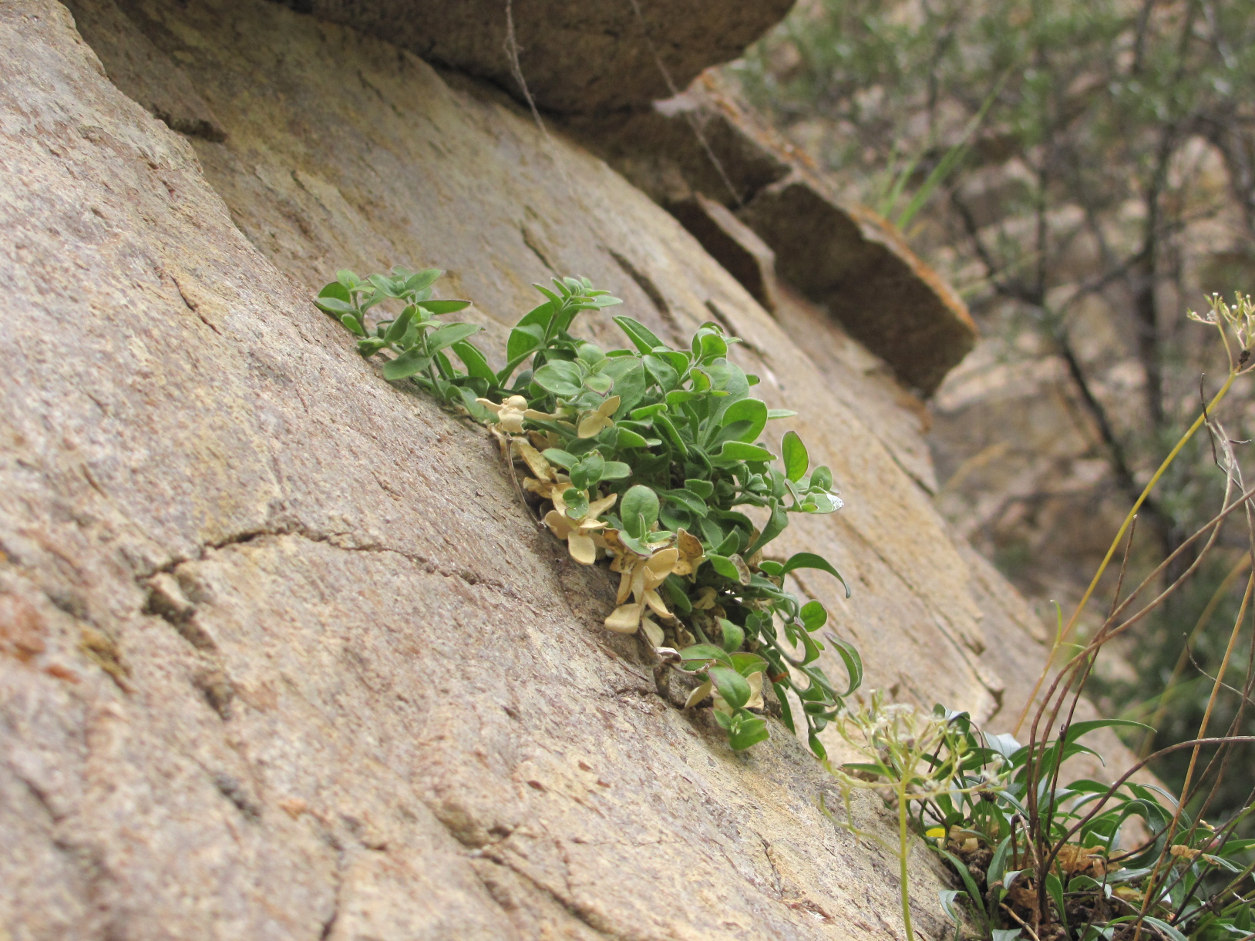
point(591, 423)
point(579, 533)
point(691, 554)
point(640, 577)
point(511, 412)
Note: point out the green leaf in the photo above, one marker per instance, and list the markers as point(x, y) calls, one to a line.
point(698, 655)
point(733, 687)
point(733, 636)
point(775, 526)
point(420, 280)
point(333, 305)
point(564, 459)
point(728, 568)
point(406, 365)
point(661, 371)
point(810, 648)
point(599, 383)
point(817, 747)
point(615, 470)
point(639, 510)
point(709, 343)
point(387, 286)
point(752, 412)
point(814, 616)
point(352, 324)
point(703, 488)
point(639, 334)
point(529, 333)
point(793, 452)
point(473, 358)
point(850, 657)
point(687, 499)
point(740, 451)
point(629, 385)
point(627, 438)
point(809, 560)
point(669, 431)
point(396, 330)
point(576, 503)
point(712, 533)
point(600, 299)
point(560, 377)
point(587, 473)
point(448, 334)
point(747, 664)
point(748, 732)
point(444, 307)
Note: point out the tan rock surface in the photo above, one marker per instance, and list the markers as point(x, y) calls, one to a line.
point(282, 655)
point(706, 144)
point(575, 56)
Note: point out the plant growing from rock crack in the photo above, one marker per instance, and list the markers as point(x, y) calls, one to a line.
point(648, 457)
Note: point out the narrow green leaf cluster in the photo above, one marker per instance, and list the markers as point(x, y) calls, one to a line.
point(652, 457)
point(1031, 851)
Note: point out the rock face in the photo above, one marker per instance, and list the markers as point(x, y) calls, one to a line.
point(573, 56)
point(282, 655)
point(702, 150)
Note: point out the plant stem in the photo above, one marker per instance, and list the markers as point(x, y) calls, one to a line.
point(1062, 636)
point(903, 857)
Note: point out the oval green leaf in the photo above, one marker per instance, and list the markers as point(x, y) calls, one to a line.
point(793, 452)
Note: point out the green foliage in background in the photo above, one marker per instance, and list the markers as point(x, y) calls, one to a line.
point(1071, 158)
point(650, 458)
point(1041, 853)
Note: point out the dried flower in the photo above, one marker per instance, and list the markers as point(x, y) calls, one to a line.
point(592, 423)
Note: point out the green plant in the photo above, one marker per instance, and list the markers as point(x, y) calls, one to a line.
point(649, 457)
point(1039, 858)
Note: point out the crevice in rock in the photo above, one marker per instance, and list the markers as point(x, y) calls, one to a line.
point(167, 601)
point(645, 283)
point(329, 925)
point(233, 790)
point(201, 128)
point(530, 240)
point(41, 798)
point(582, 914)
point(216, 686)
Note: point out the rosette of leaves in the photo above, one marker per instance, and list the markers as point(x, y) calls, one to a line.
point(651, 457)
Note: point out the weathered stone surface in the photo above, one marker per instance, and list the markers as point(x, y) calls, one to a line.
point(731, 243)
point(702, 140)
point(856, 265)
point(574, 56)
point(282, 654)
point(705, 143)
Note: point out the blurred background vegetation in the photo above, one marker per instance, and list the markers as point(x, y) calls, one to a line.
point(1082, 172)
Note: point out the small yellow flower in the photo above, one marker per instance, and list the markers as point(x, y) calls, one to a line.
point(534, 460)
point(511, 412)
point(579, 533)
point(640, 577)
point(591, 423)
point(691, 554)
